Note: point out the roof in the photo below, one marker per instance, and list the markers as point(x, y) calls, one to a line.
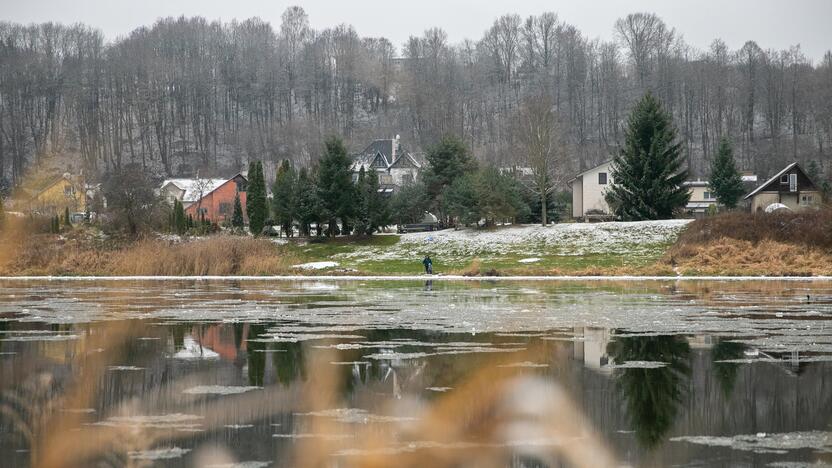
point(65, 177)
point(695, 183)
point(776, 177)
point(193, 187)
point(608, 161)
point(404, 158)
point(384, 147)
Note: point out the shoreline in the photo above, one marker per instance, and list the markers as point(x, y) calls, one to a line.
point(416, 278)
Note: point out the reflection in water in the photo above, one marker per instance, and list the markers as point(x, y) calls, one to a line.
point(726, 372)
point(652, 395)
point(478, 374)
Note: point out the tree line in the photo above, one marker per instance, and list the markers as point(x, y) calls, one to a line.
point(187, 94)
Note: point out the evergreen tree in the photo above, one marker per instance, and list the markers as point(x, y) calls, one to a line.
point(448, 160)
point(372, 207)
point(284, 197)
point(409, 204)
point(726, 181)
point(180, 223)
point(308, 204)
point(498, 196)
point(67, 220)
point(256, 205)
point(237, 220)
point(460, 200)
point(335, 188)
point(647, 173)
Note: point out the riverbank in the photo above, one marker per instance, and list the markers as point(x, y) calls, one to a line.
point(731, 245)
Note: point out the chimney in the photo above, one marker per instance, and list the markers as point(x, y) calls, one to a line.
point(396, 148)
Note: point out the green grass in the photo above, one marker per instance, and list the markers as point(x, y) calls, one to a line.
point(505, 264)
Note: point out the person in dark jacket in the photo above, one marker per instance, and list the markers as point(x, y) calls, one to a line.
point(428, 263)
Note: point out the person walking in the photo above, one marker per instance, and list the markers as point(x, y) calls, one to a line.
point(428, 263)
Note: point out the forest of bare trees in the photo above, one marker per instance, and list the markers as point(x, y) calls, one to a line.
point(186, 94)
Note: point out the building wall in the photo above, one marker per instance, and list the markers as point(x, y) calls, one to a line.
point(578, 198)
point(219, 204)
point(697, 194)
point(59, 196)
point(171, 192)
point(592, 192)
point(399, 175)
point(792, 200)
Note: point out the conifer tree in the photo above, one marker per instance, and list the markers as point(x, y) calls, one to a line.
point(284, 197)
point(448, 161)
point(237, 220)
point(648, 171)
point(67, 221)
point(335, 188)
point(180, 223)
point(256, 206)
point(726, 181)
point(308, 209)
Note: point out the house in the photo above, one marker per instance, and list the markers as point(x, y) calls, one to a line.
point(394, 165)
point(211, 198)
point(702, 198)
point(790, 187)
point(66, 192)
point(588, 190)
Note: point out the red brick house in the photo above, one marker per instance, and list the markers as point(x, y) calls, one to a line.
point(218, 204)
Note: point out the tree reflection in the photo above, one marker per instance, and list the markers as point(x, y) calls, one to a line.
point(652, 396)
point(256, 356)
point(289, 362)
point(726, 372)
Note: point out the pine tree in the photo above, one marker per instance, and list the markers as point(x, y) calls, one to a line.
point(726, 181)
point(378, 206)
point(178, 221)
point(284, 197)
point(67, 220)
point(409, 204)
point(460, 200)
point(237, 220)
point(335, 188)
point(256, 206)
point(308, 208)
point(648, 171)
point(448, 161)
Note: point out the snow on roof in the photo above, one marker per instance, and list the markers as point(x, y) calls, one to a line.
point(695, 183)
point(764, 184)
point(193, 188)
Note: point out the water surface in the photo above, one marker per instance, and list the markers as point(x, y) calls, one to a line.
point(340, 373)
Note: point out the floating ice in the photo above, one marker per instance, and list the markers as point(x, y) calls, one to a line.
point(158, 454)
point(218, 390)
point(124, 368)
point(637, 365)
point(356, 416)
point(525, 364)
point(766, 443)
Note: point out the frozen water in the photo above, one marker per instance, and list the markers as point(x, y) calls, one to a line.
point(218, 390)
point(767, 443)
point(158, 454)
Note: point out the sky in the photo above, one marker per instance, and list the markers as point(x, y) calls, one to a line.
point(776, 24)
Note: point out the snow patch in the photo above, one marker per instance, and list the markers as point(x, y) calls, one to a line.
point(316, 265)
point(218, 390)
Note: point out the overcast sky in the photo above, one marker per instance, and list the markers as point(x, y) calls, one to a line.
point(772, 23)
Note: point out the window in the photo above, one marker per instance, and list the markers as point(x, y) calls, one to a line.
point(225, 208)
point(807, 200)
point(69, 190)
point(602, 178)
point(792, 182)
point(784, 179)
point(709, 196)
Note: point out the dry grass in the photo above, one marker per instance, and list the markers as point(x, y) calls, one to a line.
point(735, 244)
point(734, 257)
point(82, 254)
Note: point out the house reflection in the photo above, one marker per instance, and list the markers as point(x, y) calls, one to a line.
point(591, 348)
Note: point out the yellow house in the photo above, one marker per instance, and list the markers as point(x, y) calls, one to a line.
point(65, 192)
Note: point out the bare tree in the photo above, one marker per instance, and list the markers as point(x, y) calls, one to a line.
point(542, 147)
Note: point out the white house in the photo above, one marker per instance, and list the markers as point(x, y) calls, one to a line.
point(188, 191)
point(588, 190)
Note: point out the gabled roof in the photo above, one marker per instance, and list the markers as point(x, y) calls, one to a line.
point(384, 147)
point(62, 178)
point(589, 170)
point(380, 160)
point(406, 159)
point(776, 177)
point(192, 187)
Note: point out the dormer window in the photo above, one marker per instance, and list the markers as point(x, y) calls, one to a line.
point(784, 179)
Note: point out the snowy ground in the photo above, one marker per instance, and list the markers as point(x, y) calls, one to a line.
point(573, 239)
